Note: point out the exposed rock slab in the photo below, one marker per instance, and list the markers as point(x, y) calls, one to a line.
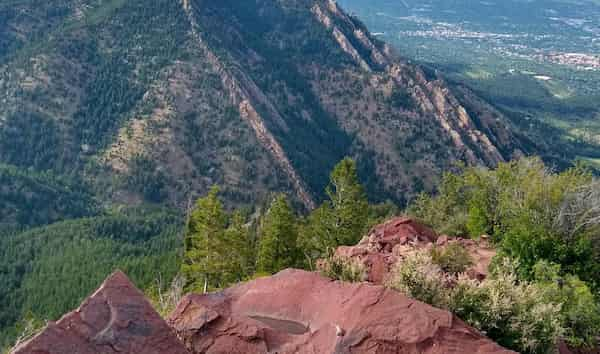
point(389, 242)
point(117, 318)
point(302, 312)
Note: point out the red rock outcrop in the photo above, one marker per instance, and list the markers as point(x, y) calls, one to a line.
point(291, 312)
point(301, 312)
point(117, 318)
point(389, 242)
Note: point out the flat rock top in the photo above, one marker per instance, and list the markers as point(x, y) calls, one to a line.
point(117, 318)
point(301, 312)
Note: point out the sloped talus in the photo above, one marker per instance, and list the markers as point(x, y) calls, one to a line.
point(117, 318)
point(301, 312)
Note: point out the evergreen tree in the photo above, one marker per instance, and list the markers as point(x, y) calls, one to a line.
point(239, 264)
point(343, 218)
point(278, 236)
point(206, 249)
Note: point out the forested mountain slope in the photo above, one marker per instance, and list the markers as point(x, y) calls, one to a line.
point(47, 270)
point(116, 115)
point(157, 101)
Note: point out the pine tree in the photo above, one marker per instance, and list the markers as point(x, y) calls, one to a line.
point(278, 236)
point(343, 218)
point(205, 244)
point(239, 264)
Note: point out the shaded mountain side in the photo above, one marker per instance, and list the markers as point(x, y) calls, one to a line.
point(22, 22)
point(48, 270)
point(130, 98)
point(32, 199)
point(158, 101)
point(396, 119)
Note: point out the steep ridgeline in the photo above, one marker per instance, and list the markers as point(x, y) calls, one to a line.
point(156, 101)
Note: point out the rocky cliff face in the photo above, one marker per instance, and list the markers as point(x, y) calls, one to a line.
point(256, 96)
point(433, 98)
point(291, 312)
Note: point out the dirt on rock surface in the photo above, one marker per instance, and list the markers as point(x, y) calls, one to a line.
point(296, 311)
point(117, 318)
point(387, 244)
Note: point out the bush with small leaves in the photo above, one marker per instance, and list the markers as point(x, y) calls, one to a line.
point(581, 313)
point(419, 278)
point(515, 314)
point(453, 258)
point(345, 269)
point(467, 301)
point(530, 212)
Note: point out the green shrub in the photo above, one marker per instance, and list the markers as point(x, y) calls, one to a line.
point(453, 258)
point(467, 301)
point(508, 311)
point(515, 314)
point(531, 213)
point(344, 269)
point(581, 313)
point(537, 326)
point(419, 278)
point(445, 212)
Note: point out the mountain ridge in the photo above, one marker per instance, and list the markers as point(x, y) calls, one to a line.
point(159, 102)
point(249, 113)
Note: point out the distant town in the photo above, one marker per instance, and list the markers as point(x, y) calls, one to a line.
point(509, 44)
point(578, 60)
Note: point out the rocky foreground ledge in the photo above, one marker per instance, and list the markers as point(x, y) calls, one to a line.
point(117, 318)
point(291, 312)
point(301, 312)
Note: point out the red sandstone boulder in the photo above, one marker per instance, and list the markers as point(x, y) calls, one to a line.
point(117, 318)
point(301, 312)
point(389, 242)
